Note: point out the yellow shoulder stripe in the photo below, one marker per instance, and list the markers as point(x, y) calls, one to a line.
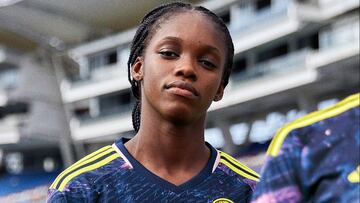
point(354, 177)
point(92, 156)
point(238, 167)
point(344, 105)
point(87, 168)
point(223, 200)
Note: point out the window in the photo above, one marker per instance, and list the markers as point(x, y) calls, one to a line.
point(14, 163)
point(102, 59)
point(273, 53)
point(239, 133)
point(310, 41)
point(82, 112)
point(326, 103)
point(262, 4)
point(111, 58)
point(8, 77)
point(264, 130)
point(215, 137)
point(115, 102)
point(95, 62)
point(47, 159)
point(239, 65)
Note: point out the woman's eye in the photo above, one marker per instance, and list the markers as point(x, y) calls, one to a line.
point(208, 64)
point(168, 54)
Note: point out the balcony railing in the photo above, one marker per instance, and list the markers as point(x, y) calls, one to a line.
point(335, 3)
point(256, 20)
point(103, 74)
point(106, 114)
point(278, 65)
point(342, 35)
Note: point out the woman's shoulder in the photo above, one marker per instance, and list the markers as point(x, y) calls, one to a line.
point(88, 169)
point(234, 167)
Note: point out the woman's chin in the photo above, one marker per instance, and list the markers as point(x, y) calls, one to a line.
point(181, 116)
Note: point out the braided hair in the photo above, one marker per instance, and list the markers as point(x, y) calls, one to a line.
point(145, 31)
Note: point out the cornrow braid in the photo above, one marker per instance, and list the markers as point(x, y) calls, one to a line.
point(145, 31)
point(136, 115)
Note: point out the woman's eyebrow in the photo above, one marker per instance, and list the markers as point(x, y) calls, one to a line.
point(212, 49)
point(206, 47)
point(171, 38)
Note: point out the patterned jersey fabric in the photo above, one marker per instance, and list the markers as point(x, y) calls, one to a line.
point(111, 174)
point(315, 158)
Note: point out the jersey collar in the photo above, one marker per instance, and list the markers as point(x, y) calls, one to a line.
point(139, 168)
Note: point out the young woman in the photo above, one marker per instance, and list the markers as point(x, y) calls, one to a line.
point(180, 61)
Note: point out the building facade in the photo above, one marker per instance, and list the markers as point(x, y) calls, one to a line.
point(291, 57)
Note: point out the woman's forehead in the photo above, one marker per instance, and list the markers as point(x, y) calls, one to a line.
point(188, 19)
point(190, 26)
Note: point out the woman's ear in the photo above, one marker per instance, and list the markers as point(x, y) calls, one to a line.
point(137, 69)
point(220, 92)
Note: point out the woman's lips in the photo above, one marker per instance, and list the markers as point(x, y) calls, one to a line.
point(182, 89)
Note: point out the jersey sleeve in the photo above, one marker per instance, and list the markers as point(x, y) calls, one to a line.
point(75, 193)
point(56, 196)
point(78, 183)
point(280, 176)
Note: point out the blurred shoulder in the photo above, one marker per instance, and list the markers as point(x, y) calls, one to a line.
point(339, 115)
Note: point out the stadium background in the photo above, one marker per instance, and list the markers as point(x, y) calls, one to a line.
point(64, 89)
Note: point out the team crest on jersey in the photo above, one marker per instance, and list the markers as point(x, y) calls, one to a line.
point(222, 200)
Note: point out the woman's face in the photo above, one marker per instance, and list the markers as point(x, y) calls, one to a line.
point(181, 68)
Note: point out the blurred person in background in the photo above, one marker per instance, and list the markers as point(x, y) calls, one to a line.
point(180, 61)
point(315, 158)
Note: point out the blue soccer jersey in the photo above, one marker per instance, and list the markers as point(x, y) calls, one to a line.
point(111, 174)
point(315, 158)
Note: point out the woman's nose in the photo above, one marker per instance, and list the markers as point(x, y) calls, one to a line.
point(187, 70)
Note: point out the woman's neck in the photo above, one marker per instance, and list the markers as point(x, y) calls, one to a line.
point(175, 153)
point(168, 144)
